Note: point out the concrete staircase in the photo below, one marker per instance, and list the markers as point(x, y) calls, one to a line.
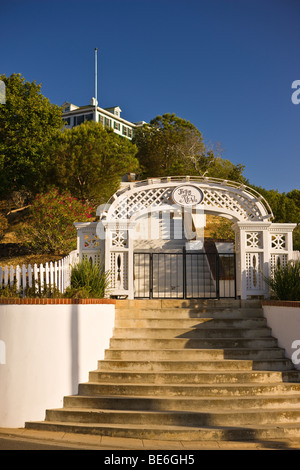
point(197, 370)
point(199, 279)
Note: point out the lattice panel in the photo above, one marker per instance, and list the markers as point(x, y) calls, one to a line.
point(278, 241)
point(119, 238)
point(139, 201)
point(133, 202)
point(254, 271)
point(119, 270)
point(254, 240)
point(278, 260)
point(233, 202)
point(90, 241)
point(95, 258)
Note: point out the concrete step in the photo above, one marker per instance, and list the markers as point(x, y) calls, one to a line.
point(134, 403)
point(188, 390)
point(177, 418)
point(184, 304)
point(192, 343)
point(187, 313)
point(194, 354)
point(192, 333)
point(171, 433)
point(207, 377)
point(201, 323)
point(217, 365)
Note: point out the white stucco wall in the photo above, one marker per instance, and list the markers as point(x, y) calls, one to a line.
point(284, 320)
point(45, 352)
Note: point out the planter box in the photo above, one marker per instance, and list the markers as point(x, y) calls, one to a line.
point(46, 350)
point(284, 319)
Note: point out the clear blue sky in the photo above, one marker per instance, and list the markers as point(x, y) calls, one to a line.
point(227, 66)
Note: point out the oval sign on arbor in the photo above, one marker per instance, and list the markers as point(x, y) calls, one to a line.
point(187, 195)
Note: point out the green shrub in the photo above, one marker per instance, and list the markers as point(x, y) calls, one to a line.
point(51, 228)
point(45, 292)
point(9, 291)
point(285, 281)
point(42, 292)
point(88, 281)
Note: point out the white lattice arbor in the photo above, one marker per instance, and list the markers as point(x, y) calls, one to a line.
point(260, 244)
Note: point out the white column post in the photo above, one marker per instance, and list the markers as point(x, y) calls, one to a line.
point(256, 249)
point(238, 260)
point(130, 261)
point(243, 272)
point(107, 247)
point(266, 256)
point(290, 228)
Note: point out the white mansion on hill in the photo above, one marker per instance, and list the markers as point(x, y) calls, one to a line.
point(109, 117)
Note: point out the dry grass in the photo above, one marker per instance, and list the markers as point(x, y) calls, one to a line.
point(11, 237)
point(213, 224)
point(28, 259)
point(17, 220)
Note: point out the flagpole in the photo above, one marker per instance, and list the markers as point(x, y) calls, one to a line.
point(96, 102)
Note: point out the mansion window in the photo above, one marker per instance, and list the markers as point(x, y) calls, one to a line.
point(107, 122)
point(127, 131)
point(83, 117)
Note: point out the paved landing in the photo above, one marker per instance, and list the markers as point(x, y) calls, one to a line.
point(26, 439)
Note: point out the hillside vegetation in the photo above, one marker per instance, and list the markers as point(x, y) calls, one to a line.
point(51, 177)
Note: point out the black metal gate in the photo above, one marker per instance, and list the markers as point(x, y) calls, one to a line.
point(184, 275)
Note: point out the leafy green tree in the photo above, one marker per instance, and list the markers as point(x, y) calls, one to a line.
point(27, 122)
point(50, 227)
point(89, 161)
point(294, 196)
point(171, 146)
point(296, 238)
point(285, 207)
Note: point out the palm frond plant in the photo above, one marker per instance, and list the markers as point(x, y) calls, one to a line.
point(88, 280)
point(285, 281)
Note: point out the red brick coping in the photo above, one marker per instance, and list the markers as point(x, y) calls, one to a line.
point(37, 301)
point(282, 303)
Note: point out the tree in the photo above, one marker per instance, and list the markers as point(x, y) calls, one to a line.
point(294, 196)
point(27, 122)
point(89, 161)
point(285, 207)
point(50, 227)
point(168, 146)
point(171, 146)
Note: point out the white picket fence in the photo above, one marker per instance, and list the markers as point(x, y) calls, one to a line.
point(49, 274)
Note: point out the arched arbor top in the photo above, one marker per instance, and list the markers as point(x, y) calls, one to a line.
point(230, 199)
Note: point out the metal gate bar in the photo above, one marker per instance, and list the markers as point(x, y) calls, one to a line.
point(167, 275)
point(186, 275)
